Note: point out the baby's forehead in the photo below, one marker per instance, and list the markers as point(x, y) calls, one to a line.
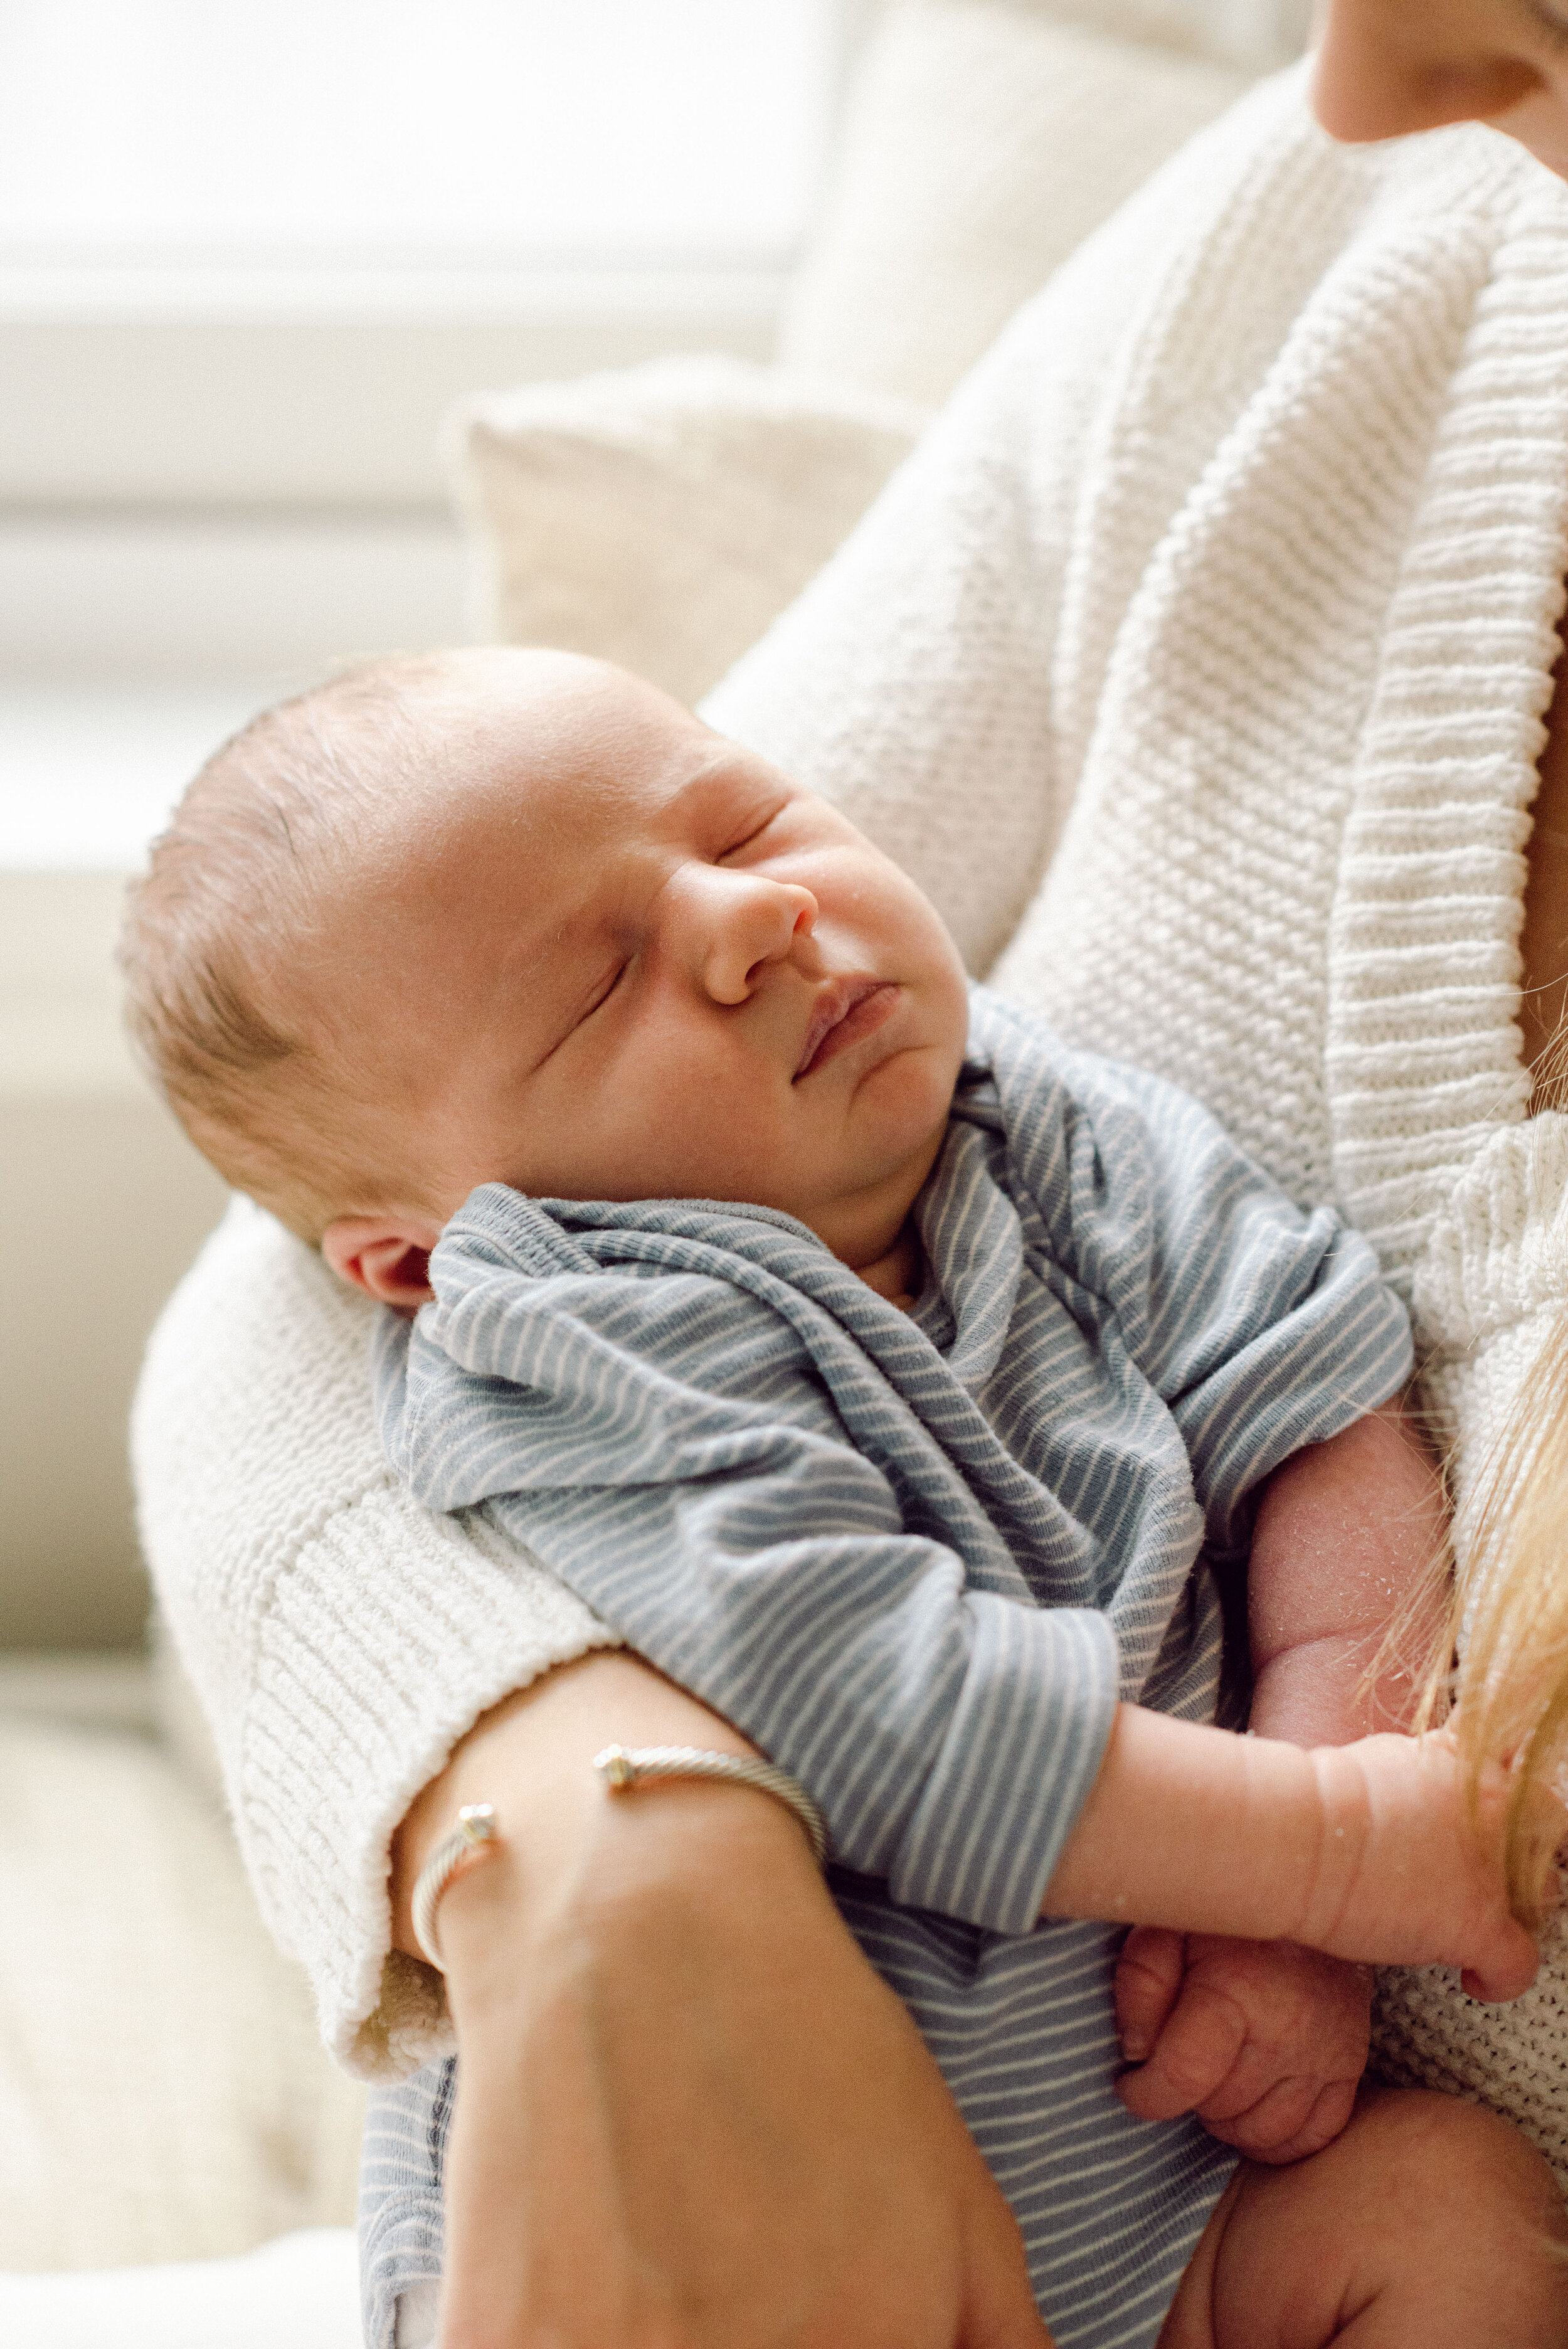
point(525, 775)
point(598, 757)
point(562, 702)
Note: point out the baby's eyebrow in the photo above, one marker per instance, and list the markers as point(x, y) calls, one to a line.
point(725, 791)
point(723, 763)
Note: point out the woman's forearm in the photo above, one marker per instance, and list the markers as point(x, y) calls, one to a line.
point(531, 1756)
point(678, 2072)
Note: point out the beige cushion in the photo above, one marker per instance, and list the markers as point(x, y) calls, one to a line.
point(984, 142)
point(663, 515)
point(163, 2093)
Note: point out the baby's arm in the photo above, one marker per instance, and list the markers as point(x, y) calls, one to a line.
point(1350, 1538)
point(1370, 1851)
point(1267, 2042)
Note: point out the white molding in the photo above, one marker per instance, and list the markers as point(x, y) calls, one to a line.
point(289, 392)
point(498, 289)
point(163, 598)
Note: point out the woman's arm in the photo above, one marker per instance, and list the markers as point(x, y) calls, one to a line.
point(341, 1639)
point(688, 2108)
point(345, 1640)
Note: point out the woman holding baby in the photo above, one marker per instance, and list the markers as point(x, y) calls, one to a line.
point(1200, 666)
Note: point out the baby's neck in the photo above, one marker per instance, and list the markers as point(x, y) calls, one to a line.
point(899, 1273)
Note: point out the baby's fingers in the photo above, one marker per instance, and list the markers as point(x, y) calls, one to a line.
point(1291, 2120)
point(1507, 1963)
point(1508, 1968)
point(1193, 2055)
point(1148, 1983)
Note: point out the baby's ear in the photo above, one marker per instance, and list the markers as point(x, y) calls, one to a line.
point(388, 1256)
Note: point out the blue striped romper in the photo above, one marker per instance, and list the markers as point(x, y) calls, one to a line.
point(917, 1558)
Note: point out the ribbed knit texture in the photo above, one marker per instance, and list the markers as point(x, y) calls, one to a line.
point(341, 1638)
point(1245, 545)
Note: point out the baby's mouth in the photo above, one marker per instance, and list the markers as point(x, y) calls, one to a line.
point(845, 1010)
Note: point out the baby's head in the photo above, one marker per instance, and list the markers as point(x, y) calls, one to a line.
point(517, 916)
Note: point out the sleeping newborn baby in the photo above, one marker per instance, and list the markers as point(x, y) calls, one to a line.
point(907, 1386)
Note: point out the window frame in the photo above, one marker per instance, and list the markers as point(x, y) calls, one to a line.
point(205, 386)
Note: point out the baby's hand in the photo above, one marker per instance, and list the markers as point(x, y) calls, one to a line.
point(1265, 2042)
point(1409, 1870)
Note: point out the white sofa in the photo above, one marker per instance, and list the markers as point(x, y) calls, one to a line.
point(164, 2105)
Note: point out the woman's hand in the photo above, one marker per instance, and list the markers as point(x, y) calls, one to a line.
point(689, 2113)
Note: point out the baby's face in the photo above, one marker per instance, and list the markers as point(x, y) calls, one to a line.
point(619, 957)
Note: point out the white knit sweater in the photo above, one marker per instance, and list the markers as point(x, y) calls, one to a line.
point(1246, 545)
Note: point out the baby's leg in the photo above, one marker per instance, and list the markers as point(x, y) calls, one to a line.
point(1427, 2221)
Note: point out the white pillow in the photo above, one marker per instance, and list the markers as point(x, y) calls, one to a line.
point(663, 516)
point(163, 2091)
point(983, 143)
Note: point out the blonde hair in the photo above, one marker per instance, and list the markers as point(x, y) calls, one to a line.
point(1510, 1622)
point(237, 890)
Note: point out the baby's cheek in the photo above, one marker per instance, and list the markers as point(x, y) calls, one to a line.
point(897, 1111)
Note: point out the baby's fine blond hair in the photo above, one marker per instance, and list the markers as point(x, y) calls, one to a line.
point(236, 892)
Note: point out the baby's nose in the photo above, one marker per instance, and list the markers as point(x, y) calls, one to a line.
point(755, 922)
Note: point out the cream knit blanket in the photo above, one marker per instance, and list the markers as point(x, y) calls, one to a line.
point(1195, 665)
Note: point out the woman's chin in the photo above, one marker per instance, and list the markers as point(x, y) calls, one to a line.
point(1540, 125)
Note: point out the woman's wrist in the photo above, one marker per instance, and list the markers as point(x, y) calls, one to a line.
point(531, 1757)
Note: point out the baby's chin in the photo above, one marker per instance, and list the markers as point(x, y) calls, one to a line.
point(897, 1123)
point(902, 1101)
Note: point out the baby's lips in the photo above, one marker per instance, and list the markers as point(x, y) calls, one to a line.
point(833, 1018)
